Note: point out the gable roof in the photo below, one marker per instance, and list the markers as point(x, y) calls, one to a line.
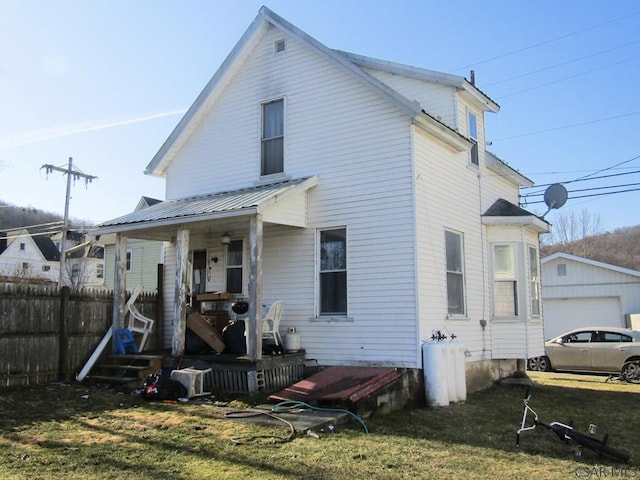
point(47, 247)
point(588, 261)
point(426, 75)
point(505, 213)
point(236, 58)
point(245, 201)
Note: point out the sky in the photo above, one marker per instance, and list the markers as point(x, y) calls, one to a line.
point(105, 82)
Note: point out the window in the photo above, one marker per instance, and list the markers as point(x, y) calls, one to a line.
point(234, 266)
point(333, 272)
point(580, 337)
point(473, 135)
point(455, 273)
point(611, 337)
point(279, 46)
point(129, 260)
point(534, 280)
point(100, 270)
point(272, 137)
point(46, 268)
point(22, 246)
point(562, 269)
point(25, 265)
point(75, 271)
point(504, 281)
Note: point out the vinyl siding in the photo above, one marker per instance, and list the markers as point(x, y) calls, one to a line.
point(145, 257)
point(360, 147)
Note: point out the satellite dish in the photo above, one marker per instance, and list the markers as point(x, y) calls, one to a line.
point(555, 196)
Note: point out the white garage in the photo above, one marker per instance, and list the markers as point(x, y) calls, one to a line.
point(562, 314)
point(579, 292)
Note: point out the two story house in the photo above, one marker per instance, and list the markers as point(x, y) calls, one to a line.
point(357, 190)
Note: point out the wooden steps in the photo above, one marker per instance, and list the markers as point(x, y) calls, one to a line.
point(129, 370)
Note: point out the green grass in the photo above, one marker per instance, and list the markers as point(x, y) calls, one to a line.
point(52, 431)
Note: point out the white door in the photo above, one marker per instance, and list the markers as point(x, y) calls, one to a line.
point(562, 315)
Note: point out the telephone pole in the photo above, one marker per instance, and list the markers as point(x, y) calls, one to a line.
point(71, 172)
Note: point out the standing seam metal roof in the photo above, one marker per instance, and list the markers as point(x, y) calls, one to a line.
point(220, 202)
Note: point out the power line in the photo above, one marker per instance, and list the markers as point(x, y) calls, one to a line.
point(582, 180)
point(553, 129)
point(70, 171)
point(546, 42)
point(557, 65)
point(592, 195)
point(571, 77)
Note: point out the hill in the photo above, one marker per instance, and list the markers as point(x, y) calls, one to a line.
point(12, 216)
point(620, 247)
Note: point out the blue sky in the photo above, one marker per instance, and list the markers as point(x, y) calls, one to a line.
point(105, 82)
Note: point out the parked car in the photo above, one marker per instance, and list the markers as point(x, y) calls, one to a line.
point(591, 349)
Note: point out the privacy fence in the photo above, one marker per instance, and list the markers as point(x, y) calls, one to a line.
point(48, 333)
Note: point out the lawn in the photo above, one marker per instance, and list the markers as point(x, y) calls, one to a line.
point(77, 432)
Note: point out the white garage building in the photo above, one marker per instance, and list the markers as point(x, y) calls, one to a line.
point(578, 292)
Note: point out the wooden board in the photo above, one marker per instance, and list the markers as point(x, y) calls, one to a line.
point(206, 332)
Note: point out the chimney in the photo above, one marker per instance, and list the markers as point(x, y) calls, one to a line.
point(472, 75)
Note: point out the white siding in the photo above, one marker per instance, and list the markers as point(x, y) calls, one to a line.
point(584, 281)
point(145, 257)
point(359, 145)
point(12, 260)
point(437, 100)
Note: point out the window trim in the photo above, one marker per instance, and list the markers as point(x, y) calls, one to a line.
point(535, 292)
point(242, 266)
point(462, 273)
point(474, 154)
point(319, 313)
point(263, 139)
point(513, 279)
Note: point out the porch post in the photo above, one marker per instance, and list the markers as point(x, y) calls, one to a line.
point(119, 284)
point(254, 335)
point(180, 300)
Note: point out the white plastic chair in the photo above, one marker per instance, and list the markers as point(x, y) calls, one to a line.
point(138, 323)
point(271, 322)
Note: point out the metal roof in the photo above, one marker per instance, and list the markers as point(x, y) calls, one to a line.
point(207, 207)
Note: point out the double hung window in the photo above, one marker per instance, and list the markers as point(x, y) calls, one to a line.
point(505, 284)
point(234, 267)
point(473, 135)
point(272, 155)
point(455, 273)
point(333, 272)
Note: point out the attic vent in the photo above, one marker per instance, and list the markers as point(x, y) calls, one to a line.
point(279, 46)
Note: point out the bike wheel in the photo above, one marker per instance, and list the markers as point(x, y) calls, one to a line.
point(597, 446)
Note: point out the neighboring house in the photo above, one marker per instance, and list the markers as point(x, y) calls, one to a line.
point(356, 190)
point(142, 257)
point(27, 256)
point(579, 292)
point(85, 264)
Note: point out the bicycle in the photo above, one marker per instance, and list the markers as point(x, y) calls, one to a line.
point(566, 432)
point(630, 372)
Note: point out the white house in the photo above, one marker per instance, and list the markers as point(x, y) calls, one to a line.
point(28, 256)
point(579, 292)
point(356, 190)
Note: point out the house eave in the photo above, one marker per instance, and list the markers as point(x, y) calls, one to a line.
point(528, 221)
point(442, 132)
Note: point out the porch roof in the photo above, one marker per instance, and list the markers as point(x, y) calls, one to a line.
point(159, 221)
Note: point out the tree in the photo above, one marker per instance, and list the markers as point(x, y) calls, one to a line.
point(573, 233)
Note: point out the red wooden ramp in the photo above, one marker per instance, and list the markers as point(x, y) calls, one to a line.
point(339, 385)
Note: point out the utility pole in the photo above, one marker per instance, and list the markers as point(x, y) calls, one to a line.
point(70, 171)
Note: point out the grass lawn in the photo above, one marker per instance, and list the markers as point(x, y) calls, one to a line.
point(78, 432)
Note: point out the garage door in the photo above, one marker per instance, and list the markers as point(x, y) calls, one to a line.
point(561, 315)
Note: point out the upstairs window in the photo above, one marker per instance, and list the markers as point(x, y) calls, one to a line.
point(333, 272)
point(272, 156)
point(473, 135)
point(22, 246)
point(455, 273)
point(505, 284)
point(129, 260)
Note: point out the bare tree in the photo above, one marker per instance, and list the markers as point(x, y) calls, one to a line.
point(573, 233)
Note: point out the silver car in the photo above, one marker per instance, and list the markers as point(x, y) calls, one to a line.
point(591, 349)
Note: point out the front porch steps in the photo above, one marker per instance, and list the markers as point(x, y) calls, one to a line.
point(128, 370)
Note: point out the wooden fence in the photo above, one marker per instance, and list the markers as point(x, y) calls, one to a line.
point(48, 333)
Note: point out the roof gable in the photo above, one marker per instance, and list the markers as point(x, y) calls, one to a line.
point(505, 213)
point(241, 52)
point(588, 261)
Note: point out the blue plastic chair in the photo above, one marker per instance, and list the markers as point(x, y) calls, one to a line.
point(125, 343)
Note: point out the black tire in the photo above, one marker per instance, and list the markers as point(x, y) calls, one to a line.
point(539, 364)
point(597, 446)
point(630, 371)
